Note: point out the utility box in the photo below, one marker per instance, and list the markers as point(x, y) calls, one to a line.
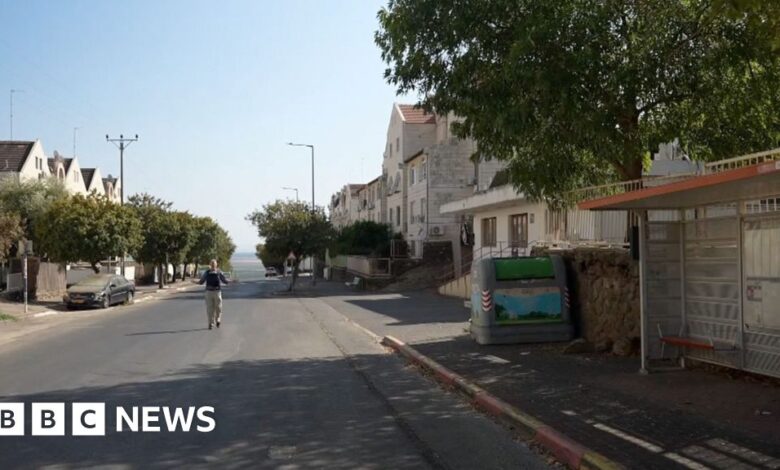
point(520, 300)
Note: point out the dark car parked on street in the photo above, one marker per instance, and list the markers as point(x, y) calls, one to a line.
point(270, 272)
point(100, 290)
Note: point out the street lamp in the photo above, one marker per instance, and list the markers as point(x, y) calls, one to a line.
point(292, 189)
point(313, 274)
point(122, 143)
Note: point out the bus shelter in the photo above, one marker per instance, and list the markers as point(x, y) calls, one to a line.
point(709, 261)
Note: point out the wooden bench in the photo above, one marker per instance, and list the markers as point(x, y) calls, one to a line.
point(693, 343)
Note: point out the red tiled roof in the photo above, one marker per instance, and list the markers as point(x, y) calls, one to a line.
point(13, 154)
point(414, 115)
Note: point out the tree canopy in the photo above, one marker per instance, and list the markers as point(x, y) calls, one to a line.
point(27, 201)
point(578, 92)
point(292, 227)
point(365, 238)
point(87, 228)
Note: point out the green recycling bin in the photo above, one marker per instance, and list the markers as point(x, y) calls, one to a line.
point(520, 300)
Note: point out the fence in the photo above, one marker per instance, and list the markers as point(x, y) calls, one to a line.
point(368, 267)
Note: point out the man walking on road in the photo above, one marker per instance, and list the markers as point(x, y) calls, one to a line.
point(213, 278)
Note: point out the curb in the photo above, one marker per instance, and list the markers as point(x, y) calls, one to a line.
point(566, 450)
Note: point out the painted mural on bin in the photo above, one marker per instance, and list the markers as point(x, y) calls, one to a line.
point(527, 305)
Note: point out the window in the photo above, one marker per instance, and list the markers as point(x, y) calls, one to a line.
point(489, 231)
point(412, 175)
point(518, 230)
point(398, 215)
point(411, 212)
point(397, 144)
point(423, 210)
point(76, 176)
point(423, 170)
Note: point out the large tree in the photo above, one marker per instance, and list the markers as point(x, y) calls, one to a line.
point(292, 227)
point(11, 231)
point(87, 228)
point(576, 92)
point(28, 201)
point(160, 232)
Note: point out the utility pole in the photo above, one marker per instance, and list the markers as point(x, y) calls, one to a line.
point(122, 143)
point(12, 111)
point(313, 210)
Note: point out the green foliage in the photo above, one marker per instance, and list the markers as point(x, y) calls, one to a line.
point(292, 227)
point(269, 259)
point(178, 237)
point(29, 200)
point(11, 231)
point(364, 238)
point(161, 229)
point(577, 92)
point(87, 228)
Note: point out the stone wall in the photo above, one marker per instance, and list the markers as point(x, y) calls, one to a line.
point(604, 286)
point(438, 252)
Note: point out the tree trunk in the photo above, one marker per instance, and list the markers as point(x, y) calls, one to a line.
point(294, 275)
point(161, 276)
point(95, 267)
point(175, 271)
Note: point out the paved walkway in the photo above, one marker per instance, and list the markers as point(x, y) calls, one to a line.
point(688, 419)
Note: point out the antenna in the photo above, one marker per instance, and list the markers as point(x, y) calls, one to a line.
point(12, 110)
point(74, 140)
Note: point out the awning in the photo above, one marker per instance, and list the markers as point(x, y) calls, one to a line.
point(742, 184)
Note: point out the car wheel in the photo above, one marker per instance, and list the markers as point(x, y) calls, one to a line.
point(129, 298)
point(106, 301)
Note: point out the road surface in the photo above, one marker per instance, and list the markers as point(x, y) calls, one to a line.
point(292, 384)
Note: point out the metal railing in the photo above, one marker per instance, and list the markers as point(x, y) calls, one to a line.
point(742, 161)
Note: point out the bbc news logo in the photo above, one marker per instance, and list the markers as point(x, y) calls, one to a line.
point(89, 419)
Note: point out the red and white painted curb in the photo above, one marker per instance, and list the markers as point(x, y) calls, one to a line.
point(566, 450)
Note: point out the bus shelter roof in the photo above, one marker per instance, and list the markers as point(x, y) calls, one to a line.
point(742, 184)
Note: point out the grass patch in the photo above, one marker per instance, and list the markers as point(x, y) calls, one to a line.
point(7, 317)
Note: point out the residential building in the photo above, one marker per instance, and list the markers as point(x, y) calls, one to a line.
point(343, 207)
point(111, 188)
point(23, 160)
point(410, 129)
point(93, 181)
point(374, 200)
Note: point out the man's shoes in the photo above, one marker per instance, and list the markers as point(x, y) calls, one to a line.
point(218, 323)
point(210, 326)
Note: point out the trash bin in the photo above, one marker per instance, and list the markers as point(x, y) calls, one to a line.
point(520, 300)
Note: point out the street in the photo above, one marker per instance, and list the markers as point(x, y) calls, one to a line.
point(293, 385)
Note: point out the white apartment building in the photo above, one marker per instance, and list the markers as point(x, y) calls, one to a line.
point(344, 207)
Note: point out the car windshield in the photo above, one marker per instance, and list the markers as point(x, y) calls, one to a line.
point(96, 281)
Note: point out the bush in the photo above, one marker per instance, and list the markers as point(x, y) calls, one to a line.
point(364, 238)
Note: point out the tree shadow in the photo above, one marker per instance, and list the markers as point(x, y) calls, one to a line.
point(413, 308)
point(307, 413)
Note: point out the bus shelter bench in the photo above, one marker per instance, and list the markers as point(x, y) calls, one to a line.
point(683, 341)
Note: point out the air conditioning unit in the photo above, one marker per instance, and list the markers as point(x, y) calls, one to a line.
point(436, 230)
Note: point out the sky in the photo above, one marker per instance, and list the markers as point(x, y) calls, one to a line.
point(214, 90)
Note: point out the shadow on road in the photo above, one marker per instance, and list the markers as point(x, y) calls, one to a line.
point(308, 413)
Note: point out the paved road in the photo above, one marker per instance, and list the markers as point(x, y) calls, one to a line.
point(293, 385)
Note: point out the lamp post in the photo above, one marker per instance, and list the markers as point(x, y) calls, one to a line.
point(122, 143)
point(292, 189)
point(313, 210)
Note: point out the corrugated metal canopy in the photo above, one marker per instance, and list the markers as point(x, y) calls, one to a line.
point(752, 182)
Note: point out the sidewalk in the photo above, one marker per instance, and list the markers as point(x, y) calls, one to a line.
point(687, 419)
point(42, 315)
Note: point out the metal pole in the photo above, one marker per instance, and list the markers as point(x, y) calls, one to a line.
point(24, 274)
point(313, 212)
point(123, 143)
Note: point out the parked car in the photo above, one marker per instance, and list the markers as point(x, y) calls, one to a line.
point(100, 290)
point(271, 272)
